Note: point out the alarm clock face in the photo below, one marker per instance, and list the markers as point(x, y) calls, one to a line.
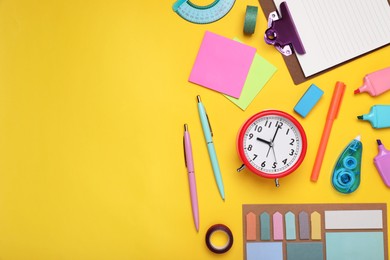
point(272, 144)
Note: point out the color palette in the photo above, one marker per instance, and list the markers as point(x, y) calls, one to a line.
point(315, 231)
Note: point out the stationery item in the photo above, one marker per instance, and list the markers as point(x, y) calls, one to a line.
point(278, 226)
point(382, 163)
point(323, 231)
point(250, 19)
point(276, 33)
point(265, 233)
point(266, 251)
point(271, 144)
point(219, 228)
point(378, 116)
point(376, 83)
point(208, 135)
point(191, 175)
point(251, 226)
point(304, 228)
point(334, 108)
point(360, 245)
point(346, 173)
point(331, 32)
point(354, 219)
point(259, 73)
point(222, 64)
point(202, 14)
point(291, 233)
point(308, 100)
point(315, 226)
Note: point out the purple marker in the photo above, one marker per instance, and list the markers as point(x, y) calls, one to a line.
point(382, 163)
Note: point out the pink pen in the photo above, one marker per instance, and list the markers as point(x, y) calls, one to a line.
point(375, 83)
point(382, 163)
point(191, 175)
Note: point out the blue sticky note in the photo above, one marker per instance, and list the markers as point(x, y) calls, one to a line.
point(264, 251)
point(290, 226)
point(308, 100)
point(355, 245)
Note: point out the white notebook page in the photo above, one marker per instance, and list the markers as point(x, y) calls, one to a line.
point(334, 31)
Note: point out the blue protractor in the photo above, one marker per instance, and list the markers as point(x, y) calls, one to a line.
point(202, 14)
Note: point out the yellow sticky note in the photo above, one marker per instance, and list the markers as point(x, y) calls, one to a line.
point(316, 226)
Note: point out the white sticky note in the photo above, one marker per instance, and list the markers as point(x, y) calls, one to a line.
point(353, 219)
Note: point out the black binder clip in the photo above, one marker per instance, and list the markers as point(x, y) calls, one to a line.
point(281, 32)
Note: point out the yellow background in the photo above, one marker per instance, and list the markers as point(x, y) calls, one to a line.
point(93, 98)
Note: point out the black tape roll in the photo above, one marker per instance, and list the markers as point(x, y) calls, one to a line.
point(216, 249)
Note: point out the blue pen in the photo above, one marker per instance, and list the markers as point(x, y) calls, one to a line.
point(208, 135)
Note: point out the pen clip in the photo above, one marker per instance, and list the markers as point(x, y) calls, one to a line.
point(208, 121)
point(185, 154)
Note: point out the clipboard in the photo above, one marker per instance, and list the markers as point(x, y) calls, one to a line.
point(292, 62)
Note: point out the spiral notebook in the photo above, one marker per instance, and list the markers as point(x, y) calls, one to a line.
point(333, 32)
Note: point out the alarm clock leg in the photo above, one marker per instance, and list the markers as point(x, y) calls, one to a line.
point(277, 183)
point(242, 167)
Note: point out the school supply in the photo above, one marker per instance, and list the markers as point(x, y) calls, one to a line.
point(222, 64)
point(202, 14)
point(208, 135)
point(346, 172)
point(276, 33)
point(375, 83)
point(213, 247)
point(379, 116)
point(250, 19)
point(271, 144)
point(315, 231)
point(324, 34)
point(189, 161)
point(259, 74)
point(382, 163)
point(334, 108)
point(308, 100)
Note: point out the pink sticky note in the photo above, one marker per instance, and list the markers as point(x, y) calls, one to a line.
point(278, 226)
point(222, 64)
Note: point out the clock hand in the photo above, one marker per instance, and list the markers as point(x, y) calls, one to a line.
point(267, 142)
point(273, 138)
point(264, 141)
point(271, 145)
point(273, 150)
point(272, 141)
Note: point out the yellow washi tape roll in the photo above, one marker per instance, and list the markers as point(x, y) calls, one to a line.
point(250, 19)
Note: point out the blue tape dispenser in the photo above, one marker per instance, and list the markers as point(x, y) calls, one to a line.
point(346, 173)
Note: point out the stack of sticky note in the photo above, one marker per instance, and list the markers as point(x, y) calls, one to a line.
point(231, 68)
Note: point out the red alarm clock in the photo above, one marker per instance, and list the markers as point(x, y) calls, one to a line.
point(271, 144)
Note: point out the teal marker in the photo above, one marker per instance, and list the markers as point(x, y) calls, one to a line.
point(379, 116)
point(346, 173)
